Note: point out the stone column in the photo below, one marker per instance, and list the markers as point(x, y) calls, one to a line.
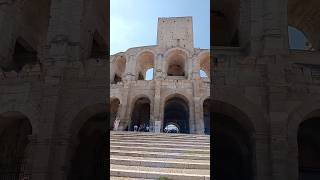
point(124, 108)
point(275, 27)
point(157, 102)
point(195, 69)
point(158, 68)
point(129, 74)
point(198, 114)
point(62, 156)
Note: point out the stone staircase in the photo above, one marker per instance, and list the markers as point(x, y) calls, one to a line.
point(159, 156)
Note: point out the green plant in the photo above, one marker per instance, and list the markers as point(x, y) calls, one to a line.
point(164, 178)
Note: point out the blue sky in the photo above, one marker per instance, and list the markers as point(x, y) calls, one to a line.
point(297, 39)
point(133, 23)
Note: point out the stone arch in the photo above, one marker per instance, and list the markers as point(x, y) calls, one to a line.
point(119, 67)
point(204, 62)
point(131, 103)
point(230, 22)
point(27, 33)
point(140, 112)
point(176, 62)
point(307, 110)
point(176, 109)
point(15, 130)
point(94, 28)
point(87, 143)
point(145, 60)
point(114, 110)
point(28, 109)
point(309, 147)
point(298, 14)
point(234, 142)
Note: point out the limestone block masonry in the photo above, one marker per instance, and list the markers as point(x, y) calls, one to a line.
point(176, 81)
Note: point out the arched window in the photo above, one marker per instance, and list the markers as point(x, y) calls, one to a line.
point(149, 74)
point(176, 63)
point(204, 61)
point(145, 62)
point(225, 18)
point(303, 23)
point(119, 69)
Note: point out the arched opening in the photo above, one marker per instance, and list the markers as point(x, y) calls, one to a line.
point(149, 74)
point(140, 115)
point(119, 69)
point(298, 40)
point(205, 66)
point(98, 46)
point(176, 63)
point(206, 116)
point(23, 54)
point(14, 131)
point(29, 30)
point(309, 148)
point(114, 111)
point(176, 111)
point(304, 16)
point(145, 64)
point(233, 145)
point(225, 18)
point(88, 158)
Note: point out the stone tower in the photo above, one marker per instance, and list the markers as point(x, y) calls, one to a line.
point(175, 32)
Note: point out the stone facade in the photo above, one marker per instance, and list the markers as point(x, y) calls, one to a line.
point(53, 88)
point(265, 95)
point(176, 76)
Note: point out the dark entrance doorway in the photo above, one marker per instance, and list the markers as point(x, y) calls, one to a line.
point(141, 113)
point(14, 131)
point(206, 116)
point(309, 148)
point(114, 110)
point(176, 111)
point(233, 153)
point(88, 160)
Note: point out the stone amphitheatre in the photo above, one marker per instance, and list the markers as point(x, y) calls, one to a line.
point(265, 96)
point(177, 95)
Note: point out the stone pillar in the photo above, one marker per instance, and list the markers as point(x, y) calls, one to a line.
point(62, 156)
point(7, 9)
point(275, 27)
point(129, 74)
point(38, 158)
point(158, 70)
point(262, 156)
point(198, 114)
point(195, 69)
point(157, 103)
point(124, 108)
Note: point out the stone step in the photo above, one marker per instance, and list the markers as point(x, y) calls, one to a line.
point(162, 159)
point(158, 144)
point(185, 140)
point(126, 178)
point(154, 162)
point(159, 154)
point(156, 173)
point(115, 133)
point(163, 136)
point(159, 149)
point(163, 141)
